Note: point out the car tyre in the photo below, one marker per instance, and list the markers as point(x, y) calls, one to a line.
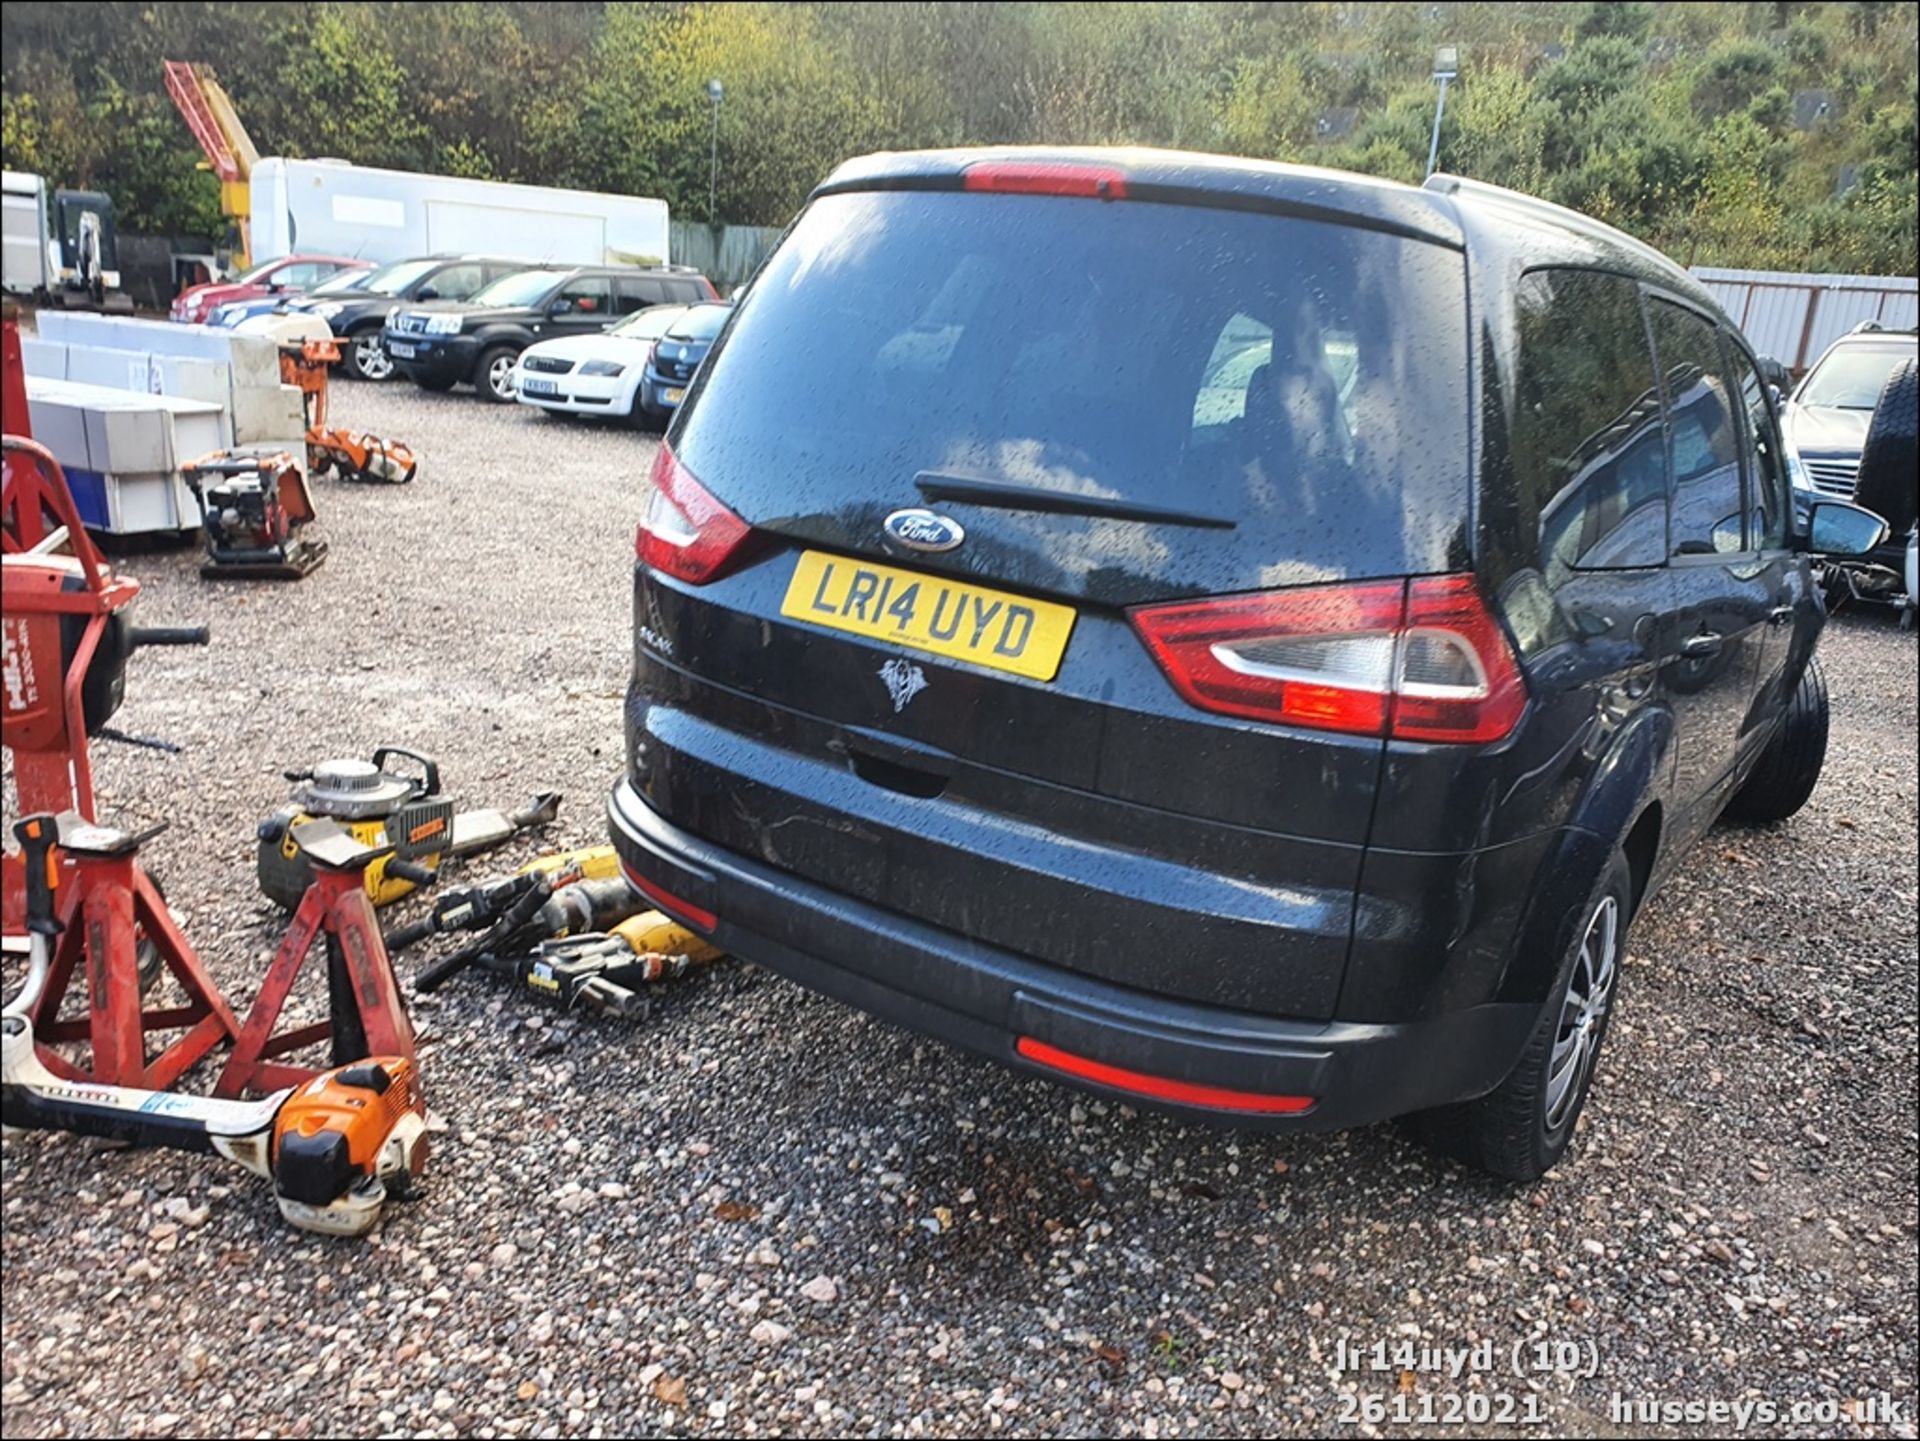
point(363, 357)
point(436, 383)
point(638, 416)
point(1890, 459)
point(492, 376)
point(1521, 1128)
point(1789, 768)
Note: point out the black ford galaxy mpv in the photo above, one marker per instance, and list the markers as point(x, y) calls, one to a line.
point(1234, 637)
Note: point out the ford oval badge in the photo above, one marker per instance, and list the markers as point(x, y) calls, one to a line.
point(923, 530)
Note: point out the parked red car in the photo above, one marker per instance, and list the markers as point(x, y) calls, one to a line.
point(289, 275)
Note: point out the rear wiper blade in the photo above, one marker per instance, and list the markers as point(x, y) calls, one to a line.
point(1007, 495)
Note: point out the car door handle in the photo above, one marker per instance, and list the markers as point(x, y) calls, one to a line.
point(1698, 647)
point(1780, 615)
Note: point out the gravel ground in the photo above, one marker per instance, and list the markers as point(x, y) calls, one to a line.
point(755, 1212)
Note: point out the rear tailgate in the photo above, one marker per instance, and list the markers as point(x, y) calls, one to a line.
point(1113, 404)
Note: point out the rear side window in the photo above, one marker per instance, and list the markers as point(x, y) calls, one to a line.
point(631, 294)
point(1588, 455)
point(589, 295)
point(1708, 515)
point(457, 282)
point(1304, 380)
point(1767, 483)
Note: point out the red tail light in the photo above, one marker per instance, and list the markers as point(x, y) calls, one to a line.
point(1422, 660)
point(1030, 177)
point(687, 532)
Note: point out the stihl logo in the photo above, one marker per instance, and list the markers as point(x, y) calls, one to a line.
point(16, 670)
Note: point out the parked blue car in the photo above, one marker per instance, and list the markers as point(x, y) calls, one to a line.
point(228, 316)
point(676, 358)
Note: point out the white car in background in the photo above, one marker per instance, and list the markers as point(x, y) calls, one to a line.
point(595, 374)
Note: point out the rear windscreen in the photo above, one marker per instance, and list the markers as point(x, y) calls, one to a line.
point(1303, 380)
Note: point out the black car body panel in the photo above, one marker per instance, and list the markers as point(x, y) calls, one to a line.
point(1092, 859)
point(439, 277)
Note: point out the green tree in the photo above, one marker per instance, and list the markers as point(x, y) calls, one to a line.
point(1608, 19)
point(339, 91)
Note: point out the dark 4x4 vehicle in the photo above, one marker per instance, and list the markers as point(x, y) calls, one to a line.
point(1267, 685)
point(356, 317)
point(440, 344)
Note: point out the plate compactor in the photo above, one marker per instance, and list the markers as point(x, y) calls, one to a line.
point(375, 802)
point(254, 511)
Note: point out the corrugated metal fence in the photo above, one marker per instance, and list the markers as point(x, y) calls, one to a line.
point(725, 254)
point(1793, 318)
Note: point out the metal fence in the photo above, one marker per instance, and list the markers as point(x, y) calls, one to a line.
point(725, 254)
point(1793, 318)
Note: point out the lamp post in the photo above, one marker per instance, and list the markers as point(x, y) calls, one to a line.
point(1446, 66)
point(715, 90)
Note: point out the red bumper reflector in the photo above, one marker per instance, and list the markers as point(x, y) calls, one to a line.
point(670, 903)
point(1186, 1093)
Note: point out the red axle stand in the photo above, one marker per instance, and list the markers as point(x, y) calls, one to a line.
point(103, 888)
point(365, 1013)
point(57, 578)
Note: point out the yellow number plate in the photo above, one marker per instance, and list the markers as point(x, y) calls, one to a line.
point(945, 617)
point(676, 395)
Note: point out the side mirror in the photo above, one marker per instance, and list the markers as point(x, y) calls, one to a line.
point(560, 307)
point(1774, 373)
point(1837, 529)
point(426, 292)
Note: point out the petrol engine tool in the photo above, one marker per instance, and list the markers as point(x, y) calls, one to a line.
point(603, 970)
point(365, 1014)
point(307, 352)
point(352, 455)
point(370, 799)
point(68, 632)
point(253, 513)
point(335, 1148)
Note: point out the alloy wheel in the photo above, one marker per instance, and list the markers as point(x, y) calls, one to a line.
point(1583, 1013)
point(371, 357)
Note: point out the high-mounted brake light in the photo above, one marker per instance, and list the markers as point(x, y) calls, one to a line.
point(1159, 1088)
point(1041, 177)
point(687, 532)
point(1421, 660)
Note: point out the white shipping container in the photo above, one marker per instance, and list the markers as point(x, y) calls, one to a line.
point(328, 207)
point(23, 268)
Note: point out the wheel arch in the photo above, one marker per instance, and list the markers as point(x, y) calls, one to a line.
point(1624, 806)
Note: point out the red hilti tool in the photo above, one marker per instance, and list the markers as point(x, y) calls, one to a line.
point(67, 637)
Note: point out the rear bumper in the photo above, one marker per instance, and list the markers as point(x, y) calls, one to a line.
point(654, 389)
point(987, 999)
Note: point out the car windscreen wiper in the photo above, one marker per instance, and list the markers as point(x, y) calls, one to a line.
point(1008, 495)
